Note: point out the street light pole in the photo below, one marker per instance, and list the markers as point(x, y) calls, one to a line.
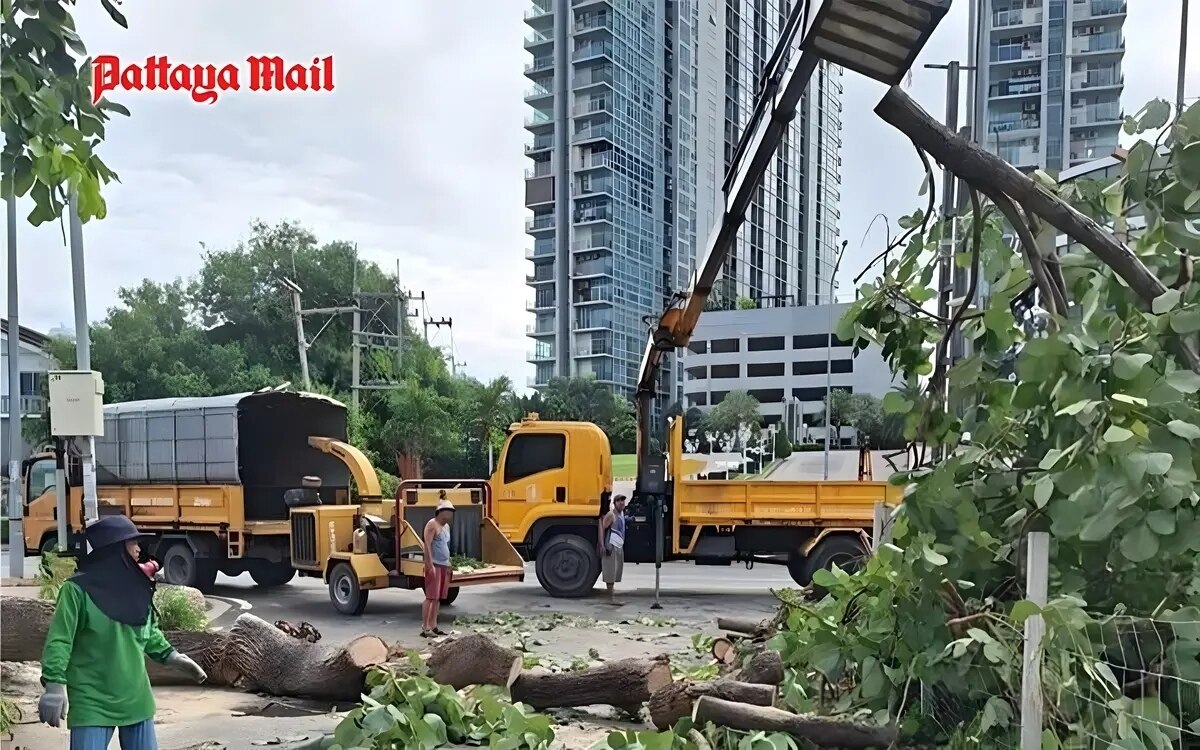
point(83, 355)
point(16, 530)
point(1183, 29)
point(829, 352)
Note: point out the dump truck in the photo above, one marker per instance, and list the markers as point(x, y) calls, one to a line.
point(264, 483)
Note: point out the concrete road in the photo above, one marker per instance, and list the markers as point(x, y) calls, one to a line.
point(843, 465)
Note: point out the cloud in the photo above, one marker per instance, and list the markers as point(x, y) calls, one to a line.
point(416, 156)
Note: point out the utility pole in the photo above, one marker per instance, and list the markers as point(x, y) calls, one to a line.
point(1183, 30)
point(448, 322)
point(16, 529)
point(301, 341)
point(829, 356)
point(83, 356)
point(355, 327)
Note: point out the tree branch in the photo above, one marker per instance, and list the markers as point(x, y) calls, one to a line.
point(1033, 257)
point(993, 175)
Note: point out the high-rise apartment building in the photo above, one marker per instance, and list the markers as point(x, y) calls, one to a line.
point(637, 109)
point(1048, 90)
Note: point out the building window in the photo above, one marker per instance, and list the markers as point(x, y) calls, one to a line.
point(698, 347)
point(725, 346)
point(818, 367)
point(817, 341)
point(697, 399)
point(32, 382)
point(765, 344)
point(718, 396)
point(697, 373)
point(532, 454)
point(767, 395)
point(818, 394)
point(764, 369)
point(726, 371)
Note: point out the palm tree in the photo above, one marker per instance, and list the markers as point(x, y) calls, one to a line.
point(491, 408)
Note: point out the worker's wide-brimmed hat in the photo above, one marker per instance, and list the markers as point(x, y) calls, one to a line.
point(111, 530)
point(444, 505)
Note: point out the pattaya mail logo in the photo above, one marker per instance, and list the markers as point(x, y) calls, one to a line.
point(206, 83)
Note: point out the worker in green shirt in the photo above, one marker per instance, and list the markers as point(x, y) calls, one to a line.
point(103, 628)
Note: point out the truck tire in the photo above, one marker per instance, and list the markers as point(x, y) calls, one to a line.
point(842, 550)
point(181, 567)
point(567, 566)
point(344, 592)
point(451, 595)
point(49, 544)
point(797, 565)
point(270, 575)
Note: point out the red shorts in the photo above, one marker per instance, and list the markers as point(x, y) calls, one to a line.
point(437, 582)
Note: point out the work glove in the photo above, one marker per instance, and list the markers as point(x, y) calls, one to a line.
point(184, 663)
point(52, 707)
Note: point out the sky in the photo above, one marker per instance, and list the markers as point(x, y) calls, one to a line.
point(416, 155)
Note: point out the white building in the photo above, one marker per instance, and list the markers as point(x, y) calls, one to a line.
point(35, 361)
point(779, 356)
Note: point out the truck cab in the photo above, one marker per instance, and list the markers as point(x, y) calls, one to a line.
point(40, 522)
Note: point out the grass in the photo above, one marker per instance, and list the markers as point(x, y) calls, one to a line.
point(177, 612)
point(624, 466)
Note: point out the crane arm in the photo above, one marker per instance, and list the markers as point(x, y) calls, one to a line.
point(785, 77)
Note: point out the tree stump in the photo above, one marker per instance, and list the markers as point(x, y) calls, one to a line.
point(474, 659)
point(676, 700)
point(819, 730)
point(626, 684)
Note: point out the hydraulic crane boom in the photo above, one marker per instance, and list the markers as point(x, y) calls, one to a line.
point(815, 30)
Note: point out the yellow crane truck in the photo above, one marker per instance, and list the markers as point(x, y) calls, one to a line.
point(261, 483)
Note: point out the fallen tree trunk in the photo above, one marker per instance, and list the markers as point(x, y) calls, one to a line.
point(991, 175)
point(745, 625)
point(819, 730)
point(626, 684)
point(676, 700)
point(474, 659)
point(723, 651)
point(253, 655)
point(270, 661)
point(764, 668)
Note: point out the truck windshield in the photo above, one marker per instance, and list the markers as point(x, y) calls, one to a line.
point(41, 478)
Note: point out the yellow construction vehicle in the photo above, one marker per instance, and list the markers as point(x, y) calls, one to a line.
point(261, 483)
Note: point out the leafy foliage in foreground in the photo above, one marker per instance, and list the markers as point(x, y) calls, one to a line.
point(1083, 420)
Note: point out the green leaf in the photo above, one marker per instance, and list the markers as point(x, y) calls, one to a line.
point(1125, 398)
point(1139, 544)
point(934, 557)
point(1154, 115)
point(1050, 459)
point(1043, 489)
point(1186, 321)
point(894, 402)
point(1077, 407)
point(1165, 302)
point(1161, 522)
point(1023, 610)
point(1158, 464)
point(1185, 430)
point(1184, 381)
point(1115, 434)
point(824, 578)
point(1128, 366)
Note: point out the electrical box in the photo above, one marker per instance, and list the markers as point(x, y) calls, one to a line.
point(76, 403)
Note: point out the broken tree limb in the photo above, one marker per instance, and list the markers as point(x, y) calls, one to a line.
point(819, 730)
point(764, 668)
point(724, 651)
point(675, 701)
point(991, 175)
point(474, 659)
point(272, 662)
point(626, 684)
point(745, 625)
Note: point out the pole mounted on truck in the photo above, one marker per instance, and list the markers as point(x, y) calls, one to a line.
point(877, 38)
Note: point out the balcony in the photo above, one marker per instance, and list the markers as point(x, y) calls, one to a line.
point(539, 13)
point(1095, 79)
point(537, 39)
point(593, 133)
point(539, 223)
point(1016, 87)
point(591, 51)
point(595, 160)
point(30, 405)
point(595, 294)
point(598, 106)
point(1006, 53)
point(540, 143)
point(1020, 156)
point(593, 22)
point(539, 64)
point(1089, 150)
point(596, 241)
point(1005, 19)
point(538, 119)
point(595, 213)
point(540, 303)
point(1083, 11)
point(544, 355)
point(601, 320)
point(585, 187)
point(582, 4)
point(543, 169)
point(1108, 42)
point(533, 381)
point(533, 330)
point(1012, 124)
point(594, 268)
point(538, 91)
point(598, 349)
point(1094, 114)
point(541, 277)
point(601, 76)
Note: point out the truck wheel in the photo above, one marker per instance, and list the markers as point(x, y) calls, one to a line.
point(270, 575)
point(567, 566)
point(344, 591)
point(49, 544)
point(839, 549)
point(797, 565)
point(451, 595)
point(181, 567)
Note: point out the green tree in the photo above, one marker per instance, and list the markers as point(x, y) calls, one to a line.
point(585, 399)
point(419, 422)
point(738, 408)
point(1092, 441)
point(783, 446)
point(52, 130)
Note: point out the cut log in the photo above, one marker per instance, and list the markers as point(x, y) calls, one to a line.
point(724, 651)
point(819, 730)
point(270, 661)
point(626, 684)
point(764, 668)
point(474, 659)
point(745, 625)
point(675, 701)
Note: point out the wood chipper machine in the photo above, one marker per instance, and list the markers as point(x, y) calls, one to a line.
point(377, 543)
